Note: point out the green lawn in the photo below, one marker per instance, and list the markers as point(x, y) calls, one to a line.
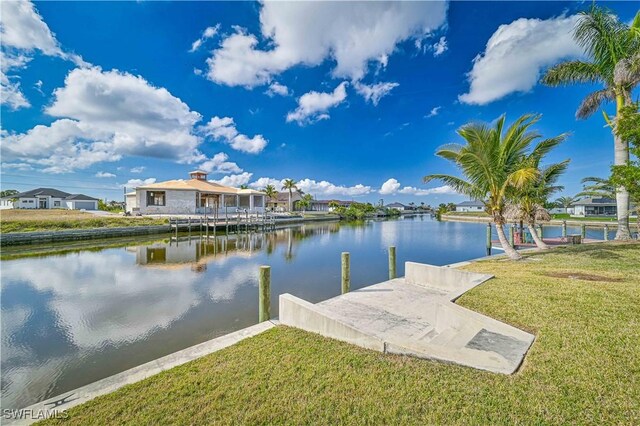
point(583, 368)
point(565, 216)
point(57, 220)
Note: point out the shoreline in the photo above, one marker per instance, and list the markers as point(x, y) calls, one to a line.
point(53, 236)
point(552, 222)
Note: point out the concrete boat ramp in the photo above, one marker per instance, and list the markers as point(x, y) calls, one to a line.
point(416, 316)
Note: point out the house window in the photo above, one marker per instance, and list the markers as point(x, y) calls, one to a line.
point(244, 201)
point(230, 201)
point(56, 204)
point(155, 198)
point(258, 201)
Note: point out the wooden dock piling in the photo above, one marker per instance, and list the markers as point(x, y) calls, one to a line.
point(392, 262)
point(488, 239)
point(606, 232)
point(264, 294)
point(346, 272)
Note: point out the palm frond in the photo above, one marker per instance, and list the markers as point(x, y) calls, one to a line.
point(599, 33)
point(592, 102)
point(572, 72)
point(459, 185)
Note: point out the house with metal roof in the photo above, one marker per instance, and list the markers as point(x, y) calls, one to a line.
point(196, 195)
point(470, 206)
point(48, 198)
point(399, 206)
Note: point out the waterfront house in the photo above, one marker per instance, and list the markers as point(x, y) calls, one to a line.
point(193, 196)
point(399, 206)
point(281, 202)
point(470, 206)
point(48, 198)
point(327, 205)
point(595, 206)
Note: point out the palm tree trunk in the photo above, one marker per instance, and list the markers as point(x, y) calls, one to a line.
point(290, 209)
point(508, 248)
point(539, 243)
point(621, 158)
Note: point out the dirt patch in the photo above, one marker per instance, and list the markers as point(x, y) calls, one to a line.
point(583, 276)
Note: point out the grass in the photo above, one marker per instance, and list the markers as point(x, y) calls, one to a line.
point(566, 216)
point(471, 214)
point(55, 220)
point(583, 368)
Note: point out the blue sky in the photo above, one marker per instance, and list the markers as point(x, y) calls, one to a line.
point(350, 99)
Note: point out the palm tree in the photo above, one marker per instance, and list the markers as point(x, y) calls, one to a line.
point(528, 202)
point(305, 203)
point(614, 61)
point(290, 185)
point(493, 163)
point(270, 191)
point(566, 202)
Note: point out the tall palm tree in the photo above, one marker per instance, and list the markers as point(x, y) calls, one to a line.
point(493, 163)
point(614, 61)
point(290, 185)
point(270, 191)
point(566, 202)
point(528, 201)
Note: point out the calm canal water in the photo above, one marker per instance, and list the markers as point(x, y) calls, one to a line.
point(76, 313)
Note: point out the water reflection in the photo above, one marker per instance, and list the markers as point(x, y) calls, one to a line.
point(77, 312)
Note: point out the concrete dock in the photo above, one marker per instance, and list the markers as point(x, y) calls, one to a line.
point(416, 316)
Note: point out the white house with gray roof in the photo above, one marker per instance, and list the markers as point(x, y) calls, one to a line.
point(470, 206)
point(48, 198)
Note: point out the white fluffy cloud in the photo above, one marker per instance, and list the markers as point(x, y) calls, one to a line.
point(104, 175)
point(235, 180)
point(23, 32)
point(313, 106)
point(412, 190)
point(316, 188)
point(392, 186)
point(374, 92)
point(208, 33)
point(276, 88)
point(134, 183)
point(138, 169)
point(260, 183)
point(325, 188)
point(515, 55)
point(23, 28)
point(104, 115)
point(219, 164)
point(350, 33)
point(225, 129)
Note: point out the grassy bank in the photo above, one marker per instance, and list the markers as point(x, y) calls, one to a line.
point(56, 220)
point(582, 304)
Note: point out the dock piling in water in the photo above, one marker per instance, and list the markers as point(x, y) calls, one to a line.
point(564, 229)
point(346, 272)
point(392, 262)
point(264, 294)
point(512, 233)
point(606, 232)
point(583, 231)
point(488, 239)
